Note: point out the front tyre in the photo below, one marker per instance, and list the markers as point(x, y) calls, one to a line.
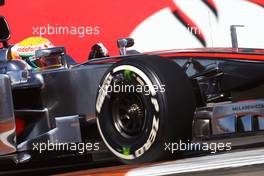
point(143, 103)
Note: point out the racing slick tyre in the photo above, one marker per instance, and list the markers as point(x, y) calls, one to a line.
point(144, 103)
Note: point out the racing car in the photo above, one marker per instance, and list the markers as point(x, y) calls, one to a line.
point(135, 104)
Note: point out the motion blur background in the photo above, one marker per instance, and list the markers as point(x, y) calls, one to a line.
point(154, 24)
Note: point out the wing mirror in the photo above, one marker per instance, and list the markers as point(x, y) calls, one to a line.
point(124, 43)
point(234, 35)
point(98, 50)
point(4, 31)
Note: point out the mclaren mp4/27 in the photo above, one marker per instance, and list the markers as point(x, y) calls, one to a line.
point(132, 104)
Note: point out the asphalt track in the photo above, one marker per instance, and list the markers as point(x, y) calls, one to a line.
point(237, 163)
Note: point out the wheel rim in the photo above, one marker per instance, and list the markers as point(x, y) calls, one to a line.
point(128, 114)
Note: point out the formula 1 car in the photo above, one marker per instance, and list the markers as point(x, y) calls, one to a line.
point(136, 103)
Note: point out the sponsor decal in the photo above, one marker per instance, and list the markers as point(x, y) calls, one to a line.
point(248, 107)
point(151, 138)
point(103, 91)
point(126, 151)
point(28, 46)
point(127, 74)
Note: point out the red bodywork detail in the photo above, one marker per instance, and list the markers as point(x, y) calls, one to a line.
point(107, 61)
point(217, 55)
point(210, 50)
point(20, 126)
point(247, 101)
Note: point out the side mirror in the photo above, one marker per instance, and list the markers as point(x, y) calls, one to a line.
point(234, 35)
point(98, 50)
point(4, 31)
point(124, 43)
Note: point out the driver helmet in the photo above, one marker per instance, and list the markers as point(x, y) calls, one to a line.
point(26, 48)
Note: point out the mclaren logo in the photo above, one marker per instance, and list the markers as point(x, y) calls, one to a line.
point(248, 107)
